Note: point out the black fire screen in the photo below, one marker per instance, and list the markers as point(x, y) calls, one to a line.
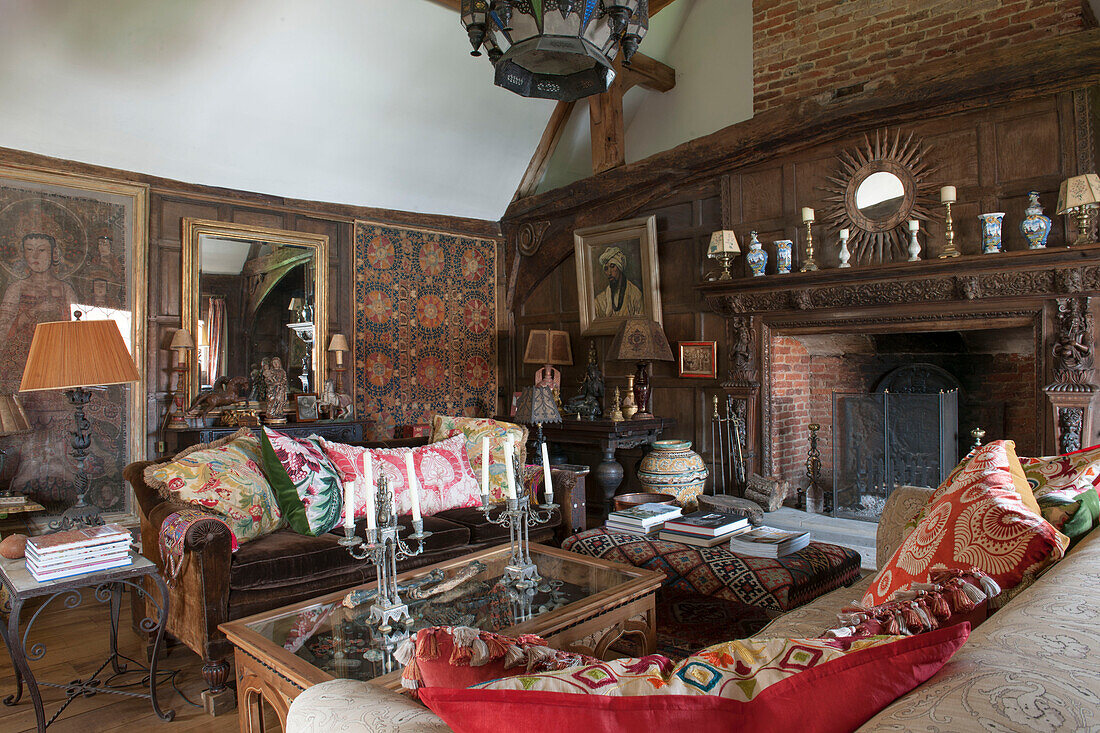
point(890, 439)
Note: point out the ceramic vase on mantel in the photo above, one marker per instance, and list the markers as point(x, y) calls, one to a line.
point(1036, 225)
point(672, 467)
point(757, 257)
point(783, 256)
point(991, 232)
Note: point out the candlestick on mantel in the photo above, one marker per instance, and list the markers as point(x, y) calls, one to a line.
point(948, 197)
point(809, 265)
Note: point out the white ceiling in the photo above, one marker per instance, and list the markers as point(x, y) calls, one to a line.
point(365, 102)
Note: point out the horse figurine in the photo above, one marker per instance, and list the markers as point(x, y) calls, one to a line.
point(224, 393)
point(336, 405)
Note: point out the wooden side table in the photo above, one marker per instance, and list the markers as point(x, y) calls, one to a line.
point(106, 587)
point(609, 436)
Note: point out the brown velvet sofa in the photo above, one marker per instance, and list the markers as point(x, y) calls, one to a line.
point(216, 585)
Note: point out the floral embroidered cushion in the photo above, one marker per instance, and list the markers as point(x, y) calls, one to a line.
point(476, 428)
point(753, 684)
point(1070, 473)
point(975, 520)
point(442, 472)
point(1073, 516)
point(224, 477)
point(307, 485)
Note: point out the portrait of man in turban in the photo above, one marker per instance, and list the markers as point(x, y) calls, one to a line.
point(621, 297)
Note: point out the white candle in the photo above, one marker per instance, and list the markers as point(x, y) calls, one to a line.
point(509, 469)
point(485, 469)
point(546, 475)
point(368, 479)
point(349, 504)
point(844, 234)
point(807, 214)
point(414, 489)
point(914, 225)
point(947, 195)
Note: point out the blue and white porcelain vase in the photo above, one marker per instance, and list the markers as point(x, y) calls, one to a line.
point(757, 257)
point(1036, 225)
point(783, 256)
point(672, 467)
point(991, 232)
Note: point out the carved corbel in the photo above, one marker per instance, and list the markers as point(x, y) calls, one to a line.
point(742, 351)
point(1072, 392)
point(529, 237)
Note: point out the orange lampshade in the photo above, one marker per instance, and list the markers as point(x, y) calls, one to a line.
point(68, 354)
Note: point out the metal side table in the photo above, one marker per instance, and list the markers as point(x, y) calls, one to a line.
point(106, 587)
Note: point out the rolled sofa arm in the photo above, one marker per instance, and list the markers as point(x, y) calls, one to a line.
point(352, 706)
point(904, 504)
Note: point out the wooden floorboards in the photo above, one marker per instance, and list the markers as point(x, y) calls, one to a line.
point(77, 641)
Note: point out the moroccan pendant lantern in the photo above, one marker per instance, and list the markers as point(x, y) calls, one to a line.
point(555, 49)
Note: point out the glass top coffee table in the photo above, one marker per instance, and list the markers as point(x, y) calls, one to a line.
point(583, 604)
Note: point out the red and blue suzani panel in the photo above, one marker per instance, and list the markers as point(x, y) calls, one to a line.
point(425, 325)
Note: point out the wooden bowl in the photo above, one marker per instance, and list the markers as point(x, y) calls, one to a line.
point(625, 501)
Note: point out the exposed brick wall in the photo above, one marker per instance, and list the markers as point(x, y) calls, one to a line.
point(998, 393)
point(805, 48)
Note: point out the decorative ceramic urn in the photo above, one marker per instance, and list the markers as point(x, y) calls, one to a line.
point(757, 257)
point(1035, 226)
point(672, 467)
point(991, 232)
point(783, 256)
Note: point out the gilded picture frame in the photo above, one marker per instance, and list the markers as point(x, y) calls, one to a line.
point(617, 274)
point(68, 243)
point(698, 359)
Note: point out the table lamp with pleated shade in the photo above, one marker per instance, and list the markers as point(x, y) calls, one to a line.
point(72, 356)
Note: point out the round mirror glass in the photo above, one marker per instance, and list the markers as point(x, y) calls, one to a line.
point(880, 196)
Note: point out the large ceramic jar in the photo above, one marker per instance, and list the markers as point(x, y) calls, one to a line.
point(672, 467)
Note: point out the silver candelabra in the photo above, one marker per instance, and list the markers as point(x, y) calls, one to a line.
point(519, 516)
point(384, 547)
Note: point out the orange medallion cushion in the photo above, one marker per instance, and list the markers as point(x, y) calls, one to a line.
point(473, 429)
point(975, 519)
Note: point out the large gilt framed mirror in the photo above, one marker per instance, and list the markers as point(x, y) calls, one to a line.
point(880, 186)
point(252, 293)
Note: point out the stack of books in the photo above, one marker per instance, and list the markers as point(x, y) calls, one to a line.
point(644, 519)
point(768, 542)
point(78, 551)
point(703, 528)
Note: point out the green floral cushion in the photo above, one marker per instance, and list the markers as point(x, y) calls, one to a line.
point(226, 478)
point(307, 485)
point(476, 428)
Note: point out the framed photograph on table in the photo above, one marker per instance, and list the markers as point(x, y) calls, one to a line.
point(699, 359)
point(306, 407)
point(617, 274)
point(72, 243)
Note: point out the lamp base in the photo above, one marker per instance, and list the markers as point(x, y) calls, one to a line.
point(77, 516)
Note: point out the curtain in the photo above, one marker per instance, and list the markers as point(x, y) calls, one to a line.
point(215, 330)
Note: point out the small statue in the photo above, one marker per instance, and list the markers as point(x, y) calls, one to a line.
point(275, 378)
point(258, 389)
point(616, 412)
point(589, 399)
point(335, 404)
point(225, 392)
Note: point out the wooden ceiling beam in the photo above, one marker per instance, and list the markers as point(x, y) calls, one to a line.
point(605, 116)
point(536, 169)
point(649, 73)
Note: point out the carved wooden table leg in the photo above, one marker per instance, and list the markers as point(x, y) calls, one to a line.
point(218, 697)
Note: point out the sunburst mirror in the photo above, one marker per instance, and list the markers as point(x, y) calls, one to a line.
point(879, 187)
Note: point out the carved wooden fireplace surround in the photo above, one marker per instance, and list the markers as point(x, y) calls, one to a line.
point(1049, 290)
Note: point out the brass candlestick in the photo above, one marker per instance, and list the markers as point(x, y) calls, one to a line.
point(809, 265)
point(949, 235)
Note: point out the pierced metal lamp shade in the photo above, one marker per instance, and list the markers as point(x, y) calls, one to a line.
point(555, 49)
point(536, 406)
point(640, 339)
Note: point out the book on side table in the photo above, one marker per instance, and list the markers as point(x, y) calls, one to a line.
point(75, 552)
point(766, 541)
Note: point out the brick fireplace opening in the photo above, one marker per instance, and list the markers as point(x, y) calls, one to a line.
point(996, 368)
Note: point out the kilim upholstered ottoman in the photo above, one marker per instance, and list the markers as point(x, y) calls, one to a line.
point(774, 584)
